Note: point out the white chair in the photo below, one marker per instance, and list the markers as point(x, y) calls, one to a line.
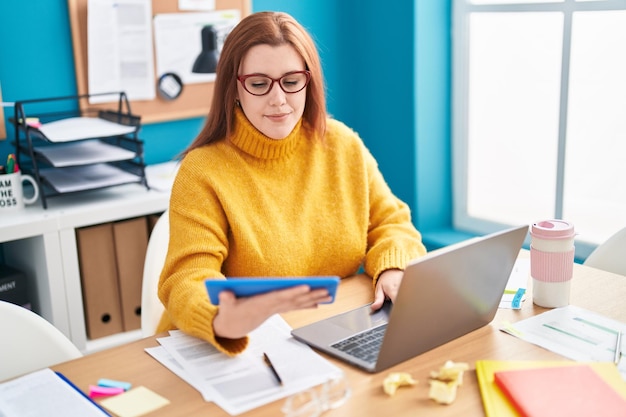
point(611, 255)
point(29, 342)
point(151, 306)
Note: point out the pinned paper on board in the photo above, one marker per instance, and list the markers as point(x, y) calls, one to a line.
point(120, 54)
point(188, 44)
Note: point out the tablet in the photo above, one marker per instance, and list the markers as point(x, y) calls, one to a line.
point(248, 286)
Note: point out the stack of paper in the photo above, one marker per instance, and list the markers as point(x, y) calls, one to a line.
point(241, 383)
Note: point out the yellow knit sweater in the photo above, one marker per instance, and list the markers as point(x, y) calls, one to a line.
point(253, 206)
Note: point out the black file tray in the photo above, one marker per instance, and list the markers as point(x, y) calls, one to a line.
point(69, 150)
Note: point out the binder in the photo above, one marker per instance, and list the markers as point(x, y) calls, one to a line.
point(131, 243)
point(98, 273)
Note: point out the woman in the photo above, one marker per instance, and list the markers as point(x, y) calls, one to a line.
point(272, 187)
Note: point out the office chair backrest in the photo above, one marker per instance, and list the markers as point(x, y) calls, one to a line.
point(151, 306)
point(29, 342)
point(611, 255)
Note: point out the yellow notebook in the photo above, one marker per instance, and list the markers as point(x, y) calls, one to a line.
point(497, 405)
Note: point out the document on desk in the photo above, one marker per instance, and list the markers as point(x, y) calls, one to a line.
point(244, 382)
point(574, 333)
point(515, 291)
point(41, 393)
point(161, 176)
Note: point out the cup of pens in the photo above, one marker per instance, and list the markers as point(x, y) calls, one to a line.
point(12, 187)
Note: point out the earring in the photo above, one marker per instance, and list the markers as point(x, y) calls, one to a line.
point(237, 102)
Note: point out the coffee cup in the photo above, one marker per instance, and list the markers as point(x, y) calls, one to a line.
point(12, 191)
point(552, 262)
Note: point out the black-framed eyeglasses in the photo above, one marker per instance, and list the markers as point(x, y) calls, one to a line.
point(260, 84)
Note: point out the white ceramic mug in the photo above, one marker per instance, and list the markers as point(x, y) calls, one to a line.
point(12, 191)
point(552, 262)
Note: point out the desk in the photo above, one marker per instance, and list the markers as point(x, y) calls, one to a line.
point(592, 289)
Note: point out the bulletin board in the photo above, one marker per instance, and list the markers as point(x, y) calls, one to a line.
point(194, 100)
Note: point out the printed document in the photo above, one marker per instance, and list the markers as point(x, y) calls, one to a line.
point(120, 57)
point(573, 332)
point(241, 383)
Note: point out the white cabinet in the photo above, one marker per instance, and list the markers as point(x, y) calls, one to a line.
point(42, 243)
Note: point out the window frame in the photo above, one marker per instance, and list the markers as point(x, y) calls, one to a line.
point(462, 9)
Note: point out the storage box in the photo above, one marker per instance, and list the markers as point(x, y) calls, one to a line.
point(13, 287)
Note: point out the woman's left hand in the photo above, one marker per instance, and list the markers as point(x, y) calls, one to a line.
point(387, 287)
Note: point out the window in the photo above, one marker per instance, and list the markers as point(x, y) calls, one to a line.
point(539, 115)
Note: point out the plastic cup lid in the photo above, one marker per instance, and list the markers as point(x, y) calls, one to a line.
point(552, 229)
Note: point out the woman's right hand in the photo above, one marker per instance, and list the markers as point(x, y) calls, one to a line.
point(237, 317)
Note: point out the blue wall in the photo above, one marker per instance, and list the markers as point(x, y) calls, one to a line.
point(389, 77)
point(387, 73)
point(37, 61)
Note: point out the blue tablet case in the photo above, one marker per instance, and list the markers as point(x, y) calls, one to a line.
point(248, 286)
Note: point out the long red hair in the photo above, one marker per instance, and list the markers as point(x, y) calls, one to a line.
point(269, 28)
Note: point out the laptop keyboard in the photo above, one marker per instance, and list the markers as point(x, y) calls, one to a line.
point(364, 346)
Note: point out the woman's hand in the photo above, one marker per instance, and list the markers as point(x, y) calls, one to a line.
point(239, 316)
point(387, 287)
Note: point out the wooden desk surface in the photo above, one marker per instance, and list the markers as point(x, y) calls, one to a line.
point(591, 289)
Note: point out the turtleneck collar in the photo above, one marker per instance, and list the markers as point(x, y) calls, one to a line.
point(250, 140)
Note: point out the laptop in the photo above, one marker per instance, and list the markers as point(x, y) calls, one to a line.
point(443, 295)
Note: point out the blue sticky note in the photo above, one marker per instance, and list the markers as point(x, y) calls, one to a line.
point(517, 298)
point(110, 383)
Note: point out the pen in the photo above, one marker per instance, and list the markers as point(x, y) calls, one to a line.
point(269, 364)
point(618, 348)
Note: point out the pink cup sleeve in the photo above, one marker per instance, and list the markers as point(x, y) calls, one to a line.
point(551, 266)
